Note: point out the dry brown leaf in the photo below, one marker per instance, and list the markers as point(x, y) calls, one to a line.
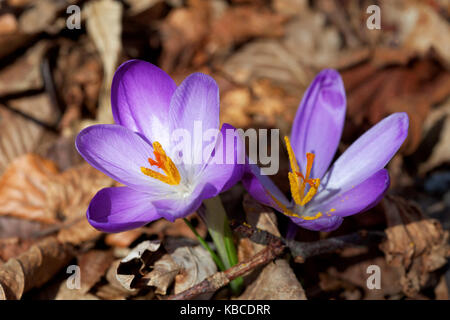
point(238, 24)
point(103, 23)
point(385, 84)
point(114, 288)
point(420, 27)
point(436, 136)
point(78, 79)
point(282, 61)
point(276, 281)
point(41, 16)
point(12, 247)
point(415, 244)
point(290, 7)
point(123, 239)
point(162, 275)
point(23, 189)
point(65, 293)
point(183, 32)
point(33, 268)
point(149, 265)
point(25, 73)
point(195, 261)
point(233, 107)
point(109, 292)
point(32, 188)
point(442, 291)
point(138, 6)
point(137, 263)
point(164, 228)
point(93, 266)
point(8, 24)
point(260, 217)
point(11, 227)
point(351, 276)
point(266, 59)
point(78, 232)
point(22, 130)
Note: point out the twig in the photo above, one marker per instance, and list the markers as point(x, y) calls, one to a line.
point(221, 279)
point(303, 250)
point(275, 247)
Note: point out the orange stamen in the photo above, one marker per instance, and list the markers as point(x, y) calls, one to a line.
point(298, 181)
point(163, 162)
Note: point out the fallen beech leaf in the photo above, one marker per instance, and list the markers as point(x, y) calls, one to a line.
point(441, 291)
point(32, 188)
point(415, 244)
point(25, 73)
point(11, 227)
point(392, 81)
point(434, 150)
point(12, 247)
point(93, 266)
point(138, 6)
point(33, 268)
point(195, 261)
point(109, 292)
point(79, 232)
point(276, 281)
point(24, 188)
point(164, 228)
point(351, 274)
point(41, 16)
point(138, 262)
point(266, 59)
point(78, 78)
point(281, 61)
point(183, 32)
point(240, 23)
point(420, 28)
point(114, 288)
point(8, 24)
point(65, 293)
point(103, 23)
point(20, 134)
point(123, 239)
point(162, 275)
point(260, 217)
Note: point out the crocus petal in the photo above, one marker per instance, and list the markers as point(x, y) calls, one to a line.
point(225, 168)
point(119, 209)
point(182, 206)
point(367, 155)
point(120, 153)
point(261, 188)
point(140, 99)
point(360, 198)
point(325, 224)
point(194, 108)
point(319, 121)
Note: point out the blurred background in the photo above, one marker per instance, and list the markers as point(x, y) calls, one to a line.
point(57, 60)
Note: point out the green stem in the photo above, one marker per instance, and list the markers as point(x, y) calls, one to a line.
point(219, 228)
point(205, 245)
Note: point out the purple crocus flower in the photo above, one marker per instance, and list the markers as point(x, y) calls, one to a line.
point(138, 150)
point(322, 195)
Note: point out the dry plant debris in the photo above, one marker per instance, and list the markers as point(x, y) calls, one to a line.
point(55, 81)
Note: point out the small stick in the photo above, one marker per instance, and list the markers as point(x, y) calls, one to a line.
point(221, 279)
point(275, 247)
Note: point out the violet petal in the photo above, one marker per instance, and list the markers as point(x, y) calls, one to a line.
point(119, 209)
point(319, 121)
